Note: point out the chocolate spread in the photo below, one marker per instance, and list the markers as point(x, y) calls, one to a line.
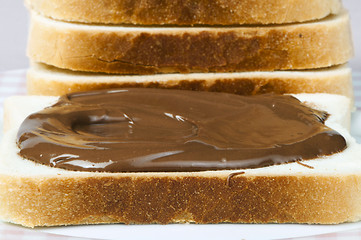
point(135, 130)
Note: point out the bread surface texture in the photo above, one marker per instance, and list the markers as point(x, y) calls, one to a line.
point(179, 12)
point(148, 50)
point(35, 195)
point(47, 80)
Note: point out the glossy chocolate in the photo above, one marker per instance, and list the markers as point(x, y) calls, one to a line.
point(136, 130)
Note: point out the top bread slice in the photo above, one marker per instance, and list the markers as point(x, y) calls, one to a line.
point(325, 190)
point(125, 49)
point(190, 12)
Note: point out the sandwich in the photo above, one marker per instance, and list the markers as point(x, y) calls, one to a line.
point(135, 146)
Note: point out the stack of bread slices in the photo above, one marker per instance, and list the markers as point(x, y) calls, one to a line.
point(238, 46)
point(245, 47)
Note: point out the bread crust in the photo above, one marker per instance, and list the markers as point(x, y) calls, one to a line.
point(126, 50)
point(179, 198)
point(189, 12)
point(51, 81)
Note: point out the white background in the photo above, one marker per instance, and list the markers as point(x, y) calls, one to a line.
point(14, 26)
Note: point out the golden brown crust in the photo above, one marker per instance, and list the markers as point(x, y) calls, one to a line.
point(180, 12)
point(166, 199)
point(50, 81)
point(126, 50)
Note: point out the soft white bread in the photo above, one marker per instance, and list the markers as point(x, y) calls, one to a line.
point(47, 80)
point(148, 50)
point(188, 12)
point(36, 195)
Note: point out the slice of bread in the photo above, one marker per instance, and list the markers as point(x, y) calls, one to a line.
point(325, 190)
point(148, 50)
point(178, 12)
point(48, 80)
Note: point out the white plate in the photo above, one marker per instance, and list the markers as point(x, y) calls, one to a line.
point(192, 231)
